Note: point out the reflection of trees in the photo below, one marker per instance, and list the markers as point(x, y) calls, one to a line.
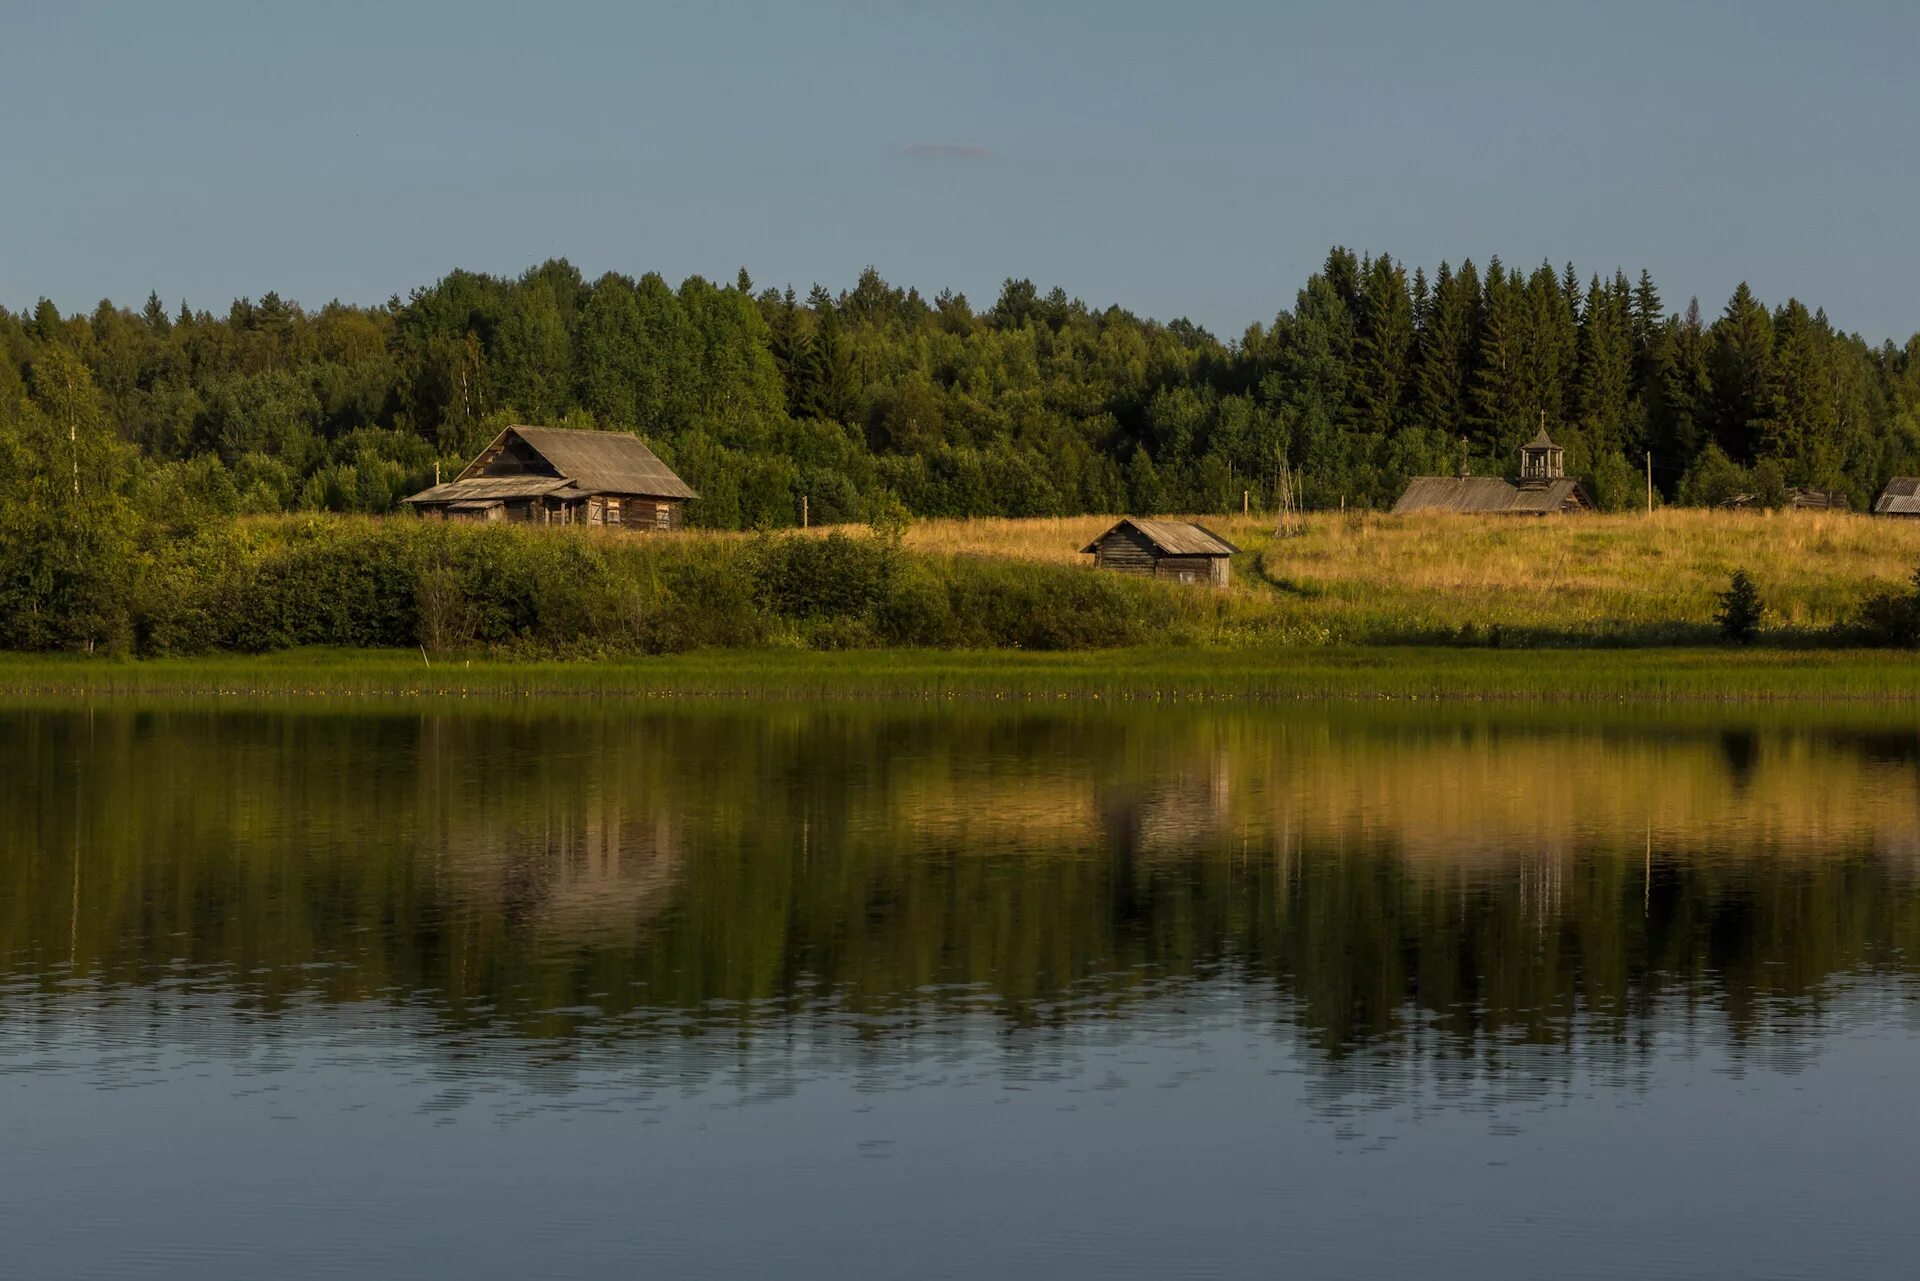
point(1413, 886)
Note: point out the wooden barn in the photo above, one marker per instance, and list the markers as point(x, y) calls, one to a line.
point(1542, 490)
point(559, 476)
point(1170, 549)
point(1901, 497)
point(1799, 499)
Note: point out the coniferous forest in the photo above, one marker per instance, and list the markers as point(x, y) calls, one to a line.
point(1035, 405)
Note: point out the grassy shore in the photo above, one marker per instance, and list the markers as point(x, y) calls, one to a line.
point(1139, 675)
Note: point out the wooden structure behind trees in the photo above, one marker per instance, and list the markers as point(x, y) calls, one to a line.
point(1170, 549)
point(560, 476)
point(1543, 488)
point(1793, 498)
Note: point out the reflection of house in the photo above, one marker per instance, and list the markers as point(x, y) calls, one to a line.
point(558, 476)
point(1901, 497)
point(572, 863)
point(1542, 490)
point(1169, 811)
point(1163, 549)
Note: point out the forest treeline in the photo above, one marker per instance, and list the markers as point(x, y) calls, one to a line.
point(1036, 405)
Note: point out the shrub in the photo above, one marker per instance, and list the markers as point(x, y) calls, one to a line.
point(274, 583)
point(800, 578)
point(1741, 610)
point(1893, 617)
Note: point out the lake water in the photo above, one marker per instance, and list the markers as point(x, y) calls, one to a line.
point(839, 991)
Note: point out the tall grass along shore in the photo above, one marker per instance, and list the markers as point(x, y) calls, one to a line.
point(1129, 675)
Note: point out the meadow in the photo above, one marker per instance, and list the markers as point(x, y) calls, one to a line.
point(1369, 578)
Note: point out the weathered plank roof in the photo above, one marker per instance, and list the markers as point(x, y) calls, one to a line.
point(605, 462)
point(490, 488)
point(1487, 494)
point(1174, 538)
point(1901, 497)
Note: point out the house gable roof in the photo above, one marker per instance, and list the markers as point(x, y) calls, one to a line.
point(1901, 497)
point(1487, 494)
point(490, 488)
point(602, 462)
point(1173, 538)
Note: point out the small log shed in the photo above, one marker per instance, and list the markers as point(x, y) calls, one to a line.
point(1172, 549)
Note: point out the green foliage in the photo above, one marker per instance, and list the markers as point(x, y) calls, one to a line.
point(70, 534)
point(1892, 618)
point(1040, 406)
point(1741, 610)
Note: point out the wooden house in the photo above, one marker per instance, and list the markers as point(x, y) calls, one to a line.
point(1169, 549)
point(1901, 497)
point(1542, 490)
point(559, 476)
point(1801, 498)
point(1796, 498)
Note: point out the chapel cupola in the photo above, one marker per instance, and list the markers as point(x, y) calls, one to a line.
point(1541, 459)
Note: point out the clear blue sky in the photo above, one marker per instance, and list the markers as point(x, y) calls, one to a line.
point(1193, 159)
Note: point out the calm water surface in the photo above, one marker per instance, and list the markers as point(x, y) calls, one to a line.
point(855, 992)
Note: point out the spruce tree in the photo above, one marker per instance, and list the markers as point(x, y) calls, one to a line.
point(1605, 375)
point(1797, 426)
point(1684, 424)
point(1742, 359)
point(1648, 321)
point(1144, 489)
point(155, 313)
point(1446, 353)
point(1382, 351)
point(1505, 413)
point(1549, 343)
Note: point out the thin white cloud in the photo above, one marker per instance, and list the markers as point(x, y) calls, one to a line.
point(946, 151)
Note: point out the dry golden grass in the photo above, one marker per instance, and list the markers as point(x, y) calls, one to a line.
point(1360, 574)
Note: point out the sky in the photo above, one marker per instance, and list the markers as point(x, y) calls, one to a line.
point(1191, 160)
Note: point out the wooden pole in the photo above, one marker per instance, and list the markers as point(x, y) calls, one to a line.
point(803, 511)
point(1245, 502)
point(1649, 482)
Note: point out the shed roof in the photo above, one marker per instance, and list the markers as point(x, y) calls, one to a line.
point(605, 462)
point(490, 488)
point(1901, 497)
point(1487, 494)
point(1174, 538)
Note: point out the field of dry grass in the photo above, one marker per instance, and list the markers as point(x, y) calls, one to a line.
point(1367, 576)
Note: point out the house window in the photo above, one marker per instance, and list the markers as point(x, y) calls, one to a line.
point(662, 516)
point(613, 511)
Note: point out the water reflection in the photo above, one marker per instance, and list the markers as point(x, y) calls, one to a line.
point(1412, 888)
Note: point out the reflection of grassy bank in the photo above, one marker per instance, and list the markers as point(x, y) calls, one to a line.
point(1131, 674)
